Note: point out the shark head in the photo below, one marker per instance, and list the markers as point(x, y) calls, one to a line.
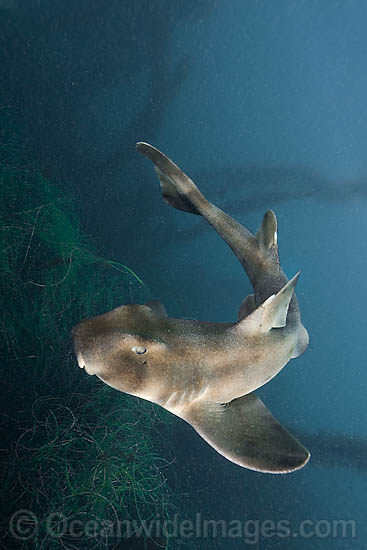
point(122, 347)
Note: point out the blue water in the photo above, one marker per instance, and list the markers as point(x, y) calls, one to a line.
point(263, 104)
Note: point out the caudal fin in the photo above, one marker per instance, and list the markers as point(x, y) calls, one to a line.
point(178, 190)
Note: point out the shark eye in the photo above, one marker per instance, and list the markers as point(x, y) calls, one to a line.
point(139, 350)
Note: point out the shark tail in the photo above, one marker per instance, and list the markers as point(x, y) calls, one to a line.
point(257, 254)
point(178, 190)
point(173, 197)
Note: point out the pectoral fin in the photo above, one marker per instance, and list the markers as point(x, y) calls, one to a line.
point(245, 432)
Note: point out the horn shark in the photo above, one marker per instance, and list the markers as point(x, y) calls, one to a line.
point(204, 372)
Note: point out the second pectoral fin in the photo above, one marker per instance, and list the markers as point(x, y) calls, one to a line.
point(245, 432)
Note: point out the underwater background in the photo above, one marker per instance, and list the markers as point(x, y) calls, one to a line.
point(263, 104)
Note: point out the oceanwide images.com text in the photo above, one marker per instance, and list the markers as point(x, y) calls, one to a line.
point(24, 525)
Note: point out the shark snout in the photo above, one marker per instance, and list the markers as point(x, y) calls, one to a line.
point(80, 359)
point(76, 345)
point(78, 353)
point(78, 348)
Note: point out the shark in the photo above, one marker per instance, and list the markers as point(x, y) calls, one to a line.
point(206, 372)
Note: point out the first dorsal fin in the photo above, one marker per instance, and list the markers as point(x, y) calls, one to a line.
point(273, 312)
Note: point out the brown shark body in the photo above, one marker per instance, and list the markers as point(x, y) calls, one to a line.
point(206, 372)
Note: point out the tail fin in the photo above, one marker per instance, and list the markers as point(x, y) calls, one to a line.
point(176, 185)
point(172, 196)
point(258, 255)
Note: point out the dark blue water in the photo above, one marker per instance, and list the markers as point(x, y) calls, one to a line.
point(263, 104)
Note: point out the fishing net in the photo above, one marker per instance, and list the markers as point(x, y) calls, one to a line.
point(75, 451)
